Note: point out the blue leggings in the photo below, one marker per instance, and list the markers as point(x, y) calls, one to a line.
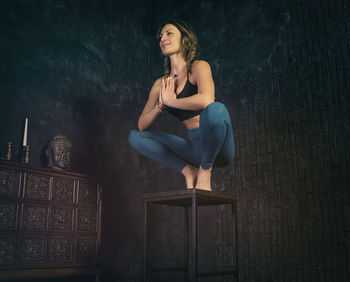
point(211, 144)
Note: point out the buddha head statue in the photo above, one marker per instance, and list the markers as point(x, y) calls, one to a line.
point(58, 152)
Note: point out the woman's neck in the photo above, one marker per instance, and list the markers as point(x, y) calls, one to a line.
point(178, 64)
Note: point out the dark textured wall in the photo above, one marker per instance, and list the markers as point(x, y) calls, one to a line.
point(69, 66)
point(282, 68)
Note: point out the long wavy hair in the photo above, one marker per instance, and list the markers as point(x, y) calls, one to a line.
point(189, 46)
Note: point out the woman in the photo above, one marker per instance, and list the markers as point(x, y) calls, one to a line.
point(186, 91)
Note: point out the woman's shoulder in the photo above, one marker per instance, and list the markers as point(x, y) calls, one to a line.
point(200, 68)
point(158, 81)
point(156, 84)
point(200, 65)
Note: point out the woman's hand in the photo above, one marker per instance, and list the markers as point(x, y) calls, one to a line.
point(160, 105)
point(167, 90)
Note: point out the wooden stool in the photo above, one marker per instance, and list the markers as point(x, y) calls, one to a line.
point(193, 198)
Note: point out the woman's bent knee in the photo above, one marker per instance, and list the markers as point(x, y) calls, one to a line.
point(215, 107)
point(214, 114)
point(134, 137)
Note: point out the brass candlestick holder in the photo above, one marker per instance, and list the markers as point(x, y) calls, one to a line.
point(23, 155)
point(9, 151)
point(26, 159)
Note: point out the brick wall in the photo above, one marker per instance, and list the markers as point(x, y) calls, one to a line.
point(291, 172)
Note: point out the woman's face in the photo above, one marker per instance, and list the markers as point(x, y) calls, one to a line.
point(170, 40)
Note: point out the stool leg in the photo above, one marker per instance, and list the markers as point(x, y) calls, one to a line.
point(194, 240)
point(234, 241)
point(186, 244)
point(145, 243)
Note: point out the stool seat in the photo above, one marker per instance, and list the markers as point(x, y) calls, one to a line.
point(191, 198)
point(183, 198)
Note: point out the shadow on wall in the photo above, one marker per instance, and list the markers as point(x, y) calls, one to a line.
point(87, 131)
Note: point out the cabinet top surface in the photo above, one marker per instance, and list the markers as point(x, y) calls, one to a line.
point(32, 168)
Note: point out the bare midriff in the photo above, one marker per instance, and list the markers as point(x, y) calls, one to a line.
point(191, 122)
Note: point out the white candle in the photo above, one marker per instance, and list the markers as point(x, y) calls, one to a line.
point(25, 133)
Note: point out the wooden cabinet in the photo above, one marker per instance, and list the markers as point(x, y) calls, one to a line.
point(50, 222)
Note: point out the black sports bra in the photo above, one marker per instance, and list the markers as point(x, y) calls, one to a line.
point(189, 90)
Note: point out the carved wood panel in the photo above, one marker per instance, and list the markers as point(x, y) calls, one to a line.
point(61, 219)
point(86, 249)
point(9, 183)
point(62, 189)
point(32, 249)
point(8, 215)
point(59, 249)
point(37, 187)
point(34, 218)
point(87, 220)
point(7, 250)
point(87, 192)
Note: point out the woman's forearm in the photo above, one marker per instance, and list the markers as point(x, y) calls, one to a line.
point(194, 102)
point(147, 119)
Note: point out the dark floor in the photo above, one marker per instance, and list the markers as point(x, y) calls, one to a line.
point(62, 279)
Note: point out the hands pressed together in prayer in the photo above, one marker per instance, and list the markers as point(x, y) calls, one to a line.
point(166, 92)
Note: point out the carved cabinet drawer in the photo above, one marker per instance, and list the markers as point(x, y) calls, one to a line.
point(62, 189)
point(7, 250)
point(9, 183)
point(34, 218)
point(61, 219)
point(87, 192)
point(87, 220)
point(60, 249)
point(32, 249)
point(37, 187)
point(86, 248)
point(8, 216)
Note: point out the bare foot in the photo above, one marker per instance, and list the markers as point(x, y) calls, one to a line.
point(203, 179)
point(190, 172)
